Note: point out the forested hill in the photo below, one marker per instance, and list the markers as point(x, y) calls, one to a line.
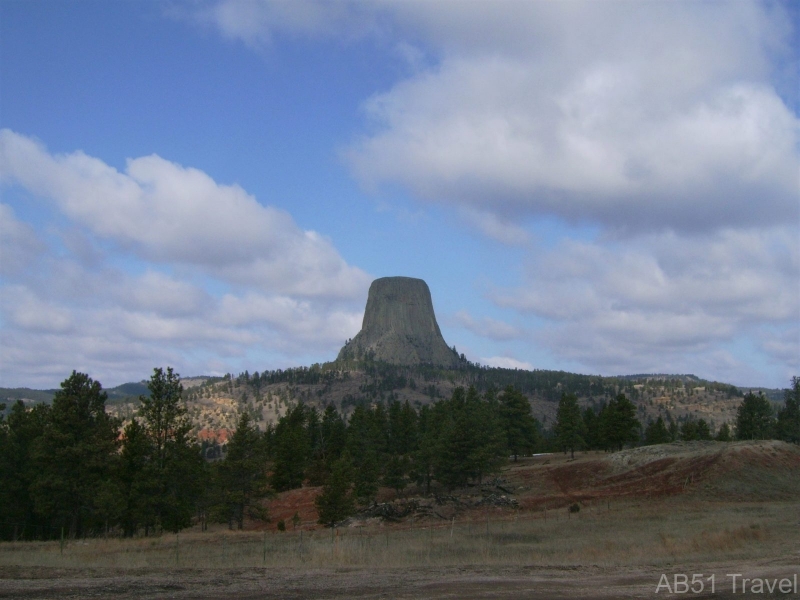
point(267, 395)
point(214, 403)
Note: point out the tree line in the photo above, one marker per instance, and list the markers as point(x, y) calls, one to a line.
point(615, 424)
point(70, 469)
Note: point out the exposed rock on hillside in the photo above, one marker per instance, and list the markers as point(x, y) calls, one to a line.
point(399, 326)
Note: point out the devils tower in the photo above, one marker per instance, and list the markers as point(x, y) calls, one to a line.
point(399, 326)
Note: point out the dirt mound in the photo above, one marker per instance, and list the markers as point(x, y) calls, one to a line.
point(740, 471)
point(712, 471)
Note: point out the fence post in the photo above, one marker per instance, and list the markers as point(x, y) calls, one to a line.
point(264, 552)
point(62, 540)
point(177, 549)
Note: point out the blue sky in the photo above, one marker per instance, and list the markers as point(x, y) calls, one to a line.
point(603, 188)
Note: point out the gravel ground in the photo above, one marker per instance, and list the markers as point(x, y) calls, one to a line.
point(581, 582)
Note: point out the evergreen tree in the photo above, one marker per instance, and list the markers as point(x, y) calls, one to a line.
point(402, 430)
point(327, 446)
point(619, 424)
point(703, 430)
point(569, 424)
point(175, 467)
point(395, 473)
point(656, 433)
point(754, 420)
point(674, 430)
point(75, 458)
point(291, 450)
point(724, 433)
point(136, 484)
point(366, 442)
point(471, 439)
point(689, 430)
point(591, 427)
point(789, 416)
point(18, 436)
point(520, 427)
point(241, 479)
point(335, 502)
point(424, 457)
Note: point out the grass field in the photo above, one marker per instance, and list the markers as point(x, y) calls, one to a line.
point(615, 534)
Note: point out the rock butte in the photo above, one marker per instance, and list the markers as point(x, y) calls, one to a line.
point(400, 327)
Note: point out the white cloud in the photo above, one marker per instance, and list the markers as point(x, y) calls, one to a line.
point(211, 278)
point(488, 327)
point(663, 299)
point(659, 115)
point(783, 346)
point(506, 362)
point(257, 22)
point(650, 116)
point(495, 227)
point(19, 245)
point(24, 310)
point(167, 213)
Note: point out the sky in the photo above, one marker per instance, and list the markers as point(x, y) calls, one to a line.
point(597, 187)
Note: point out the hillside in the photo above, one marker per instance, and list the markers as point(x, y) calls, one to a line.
point(730, 472)
point(215, 402)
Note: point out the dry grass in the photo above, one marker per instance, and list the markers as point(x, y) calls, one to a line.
point(655, 533)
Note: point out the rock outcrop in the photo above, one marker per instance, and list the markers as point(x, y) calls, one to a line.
point(399, 326)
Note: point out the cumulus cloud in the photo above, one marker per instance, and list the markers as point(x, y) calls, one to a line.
point(663, 299)
point(678, 130)
point(19, 245)
point(506, 362)
point(487, 327)
point(210, 277)
point(168, 213)
point(658, 115)
point(256, 22)
point(495, 227)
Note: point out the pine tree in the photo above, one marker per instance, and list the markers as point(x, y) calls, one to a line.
point(291, 449)
point(395, 473)
point(591, 428)
point(569, 424)
point(75, 457)
point(703, 430)
point(789, 416)
point(754, 418)
point(689, 430)
point(425, 456)
point(724, 433)
point(365, 444)
point(471, 439)
point(521, 428)
point(136, 484)
point(656, 433)
point(241, 479)
point(619, 423)
point(176, 466)
point(335, 502)
point(402, 429)
point(19, 434)
point(328, 445)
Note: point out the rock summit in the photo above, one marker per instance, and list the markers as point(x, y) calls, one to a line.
point(400, 327)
